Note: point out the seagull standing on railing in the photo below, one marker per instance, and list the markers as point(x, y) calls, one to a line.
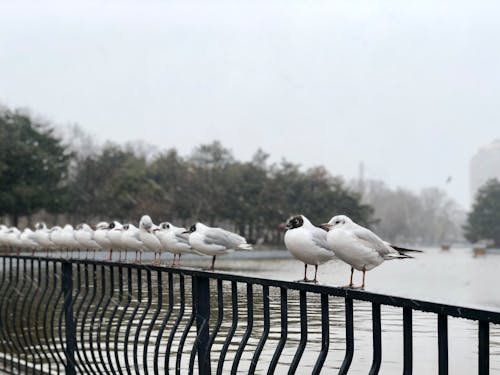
point(42, 237)
point(215, 241)
point(359, 247)
point(132, 241)
point(68, 239)
point(175, 240)
point(101, 236)
point(114, 235)
point(307, 243)
point(85, 237)
point(146, 234)
point(57, 238)
point(28, 240)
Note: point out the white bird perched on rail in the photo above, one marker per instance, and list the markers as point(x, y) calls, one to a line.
point(68, 239)
point(146, 234)
point(131, 240)
point(114, 235)
point(42, 236)
point(101, 237)
point(28, 240)
point(215, 241)
point(358, 246)
point(174, 239)
point(56, 237)
point(307, 243)
point(85, 237)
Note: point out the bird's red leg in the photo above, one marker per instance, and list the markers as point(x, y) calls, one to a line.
point(305, 273)
point(110, 255)
point(363, 283)
point(350, 280)
point(315, 273)
point(179, 260)
point(213, 264)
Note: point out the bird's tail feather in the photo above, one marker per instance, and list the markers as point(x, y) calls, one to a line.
point(398, 256)
point(405, 250)
point(245, 246)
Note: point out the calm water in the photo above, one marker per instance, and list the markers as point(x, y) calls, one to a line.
point(454, 277)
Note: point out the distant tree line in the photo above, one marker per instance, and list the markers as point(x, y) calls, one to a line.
point(83, 182)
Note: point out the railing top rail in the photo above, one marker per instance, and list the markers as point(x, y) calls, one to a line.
point(355, 294)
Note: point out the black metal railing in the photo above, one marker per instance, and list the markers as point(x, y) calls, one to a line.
point(95, 317)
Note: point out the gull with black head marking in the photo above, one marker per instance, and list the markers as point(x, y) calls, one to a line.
point(307, 243)
point(175, 240)
point(359, 247)
point(215, 241)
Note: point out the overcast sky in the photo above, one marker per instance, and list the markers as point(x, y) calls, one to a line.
point(411, 88)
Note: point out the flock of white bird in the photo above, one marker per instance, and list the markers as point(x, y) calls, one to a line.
point(199, 239)
point(340, 238)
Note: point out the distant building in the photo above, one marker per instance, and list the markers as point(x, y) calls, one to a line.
point(484, 165)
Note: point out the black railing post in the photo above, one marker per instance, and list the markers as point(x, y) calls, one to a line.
point(201, 291)
point(67, 287)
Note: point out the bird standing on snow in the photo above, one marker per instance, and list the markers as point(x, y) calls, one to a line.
point(358, 246)
point(307, 243)
point(146, 234)
point(215, 241)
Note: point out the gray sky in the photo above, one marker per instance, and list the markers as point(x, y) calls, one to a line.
point(409, 87)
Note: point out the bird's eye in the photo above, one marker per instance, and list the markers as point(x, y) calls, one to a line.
point(111, 226)
point(167, 226)
point(193, 228)
point(125, 227)
point(337, 222)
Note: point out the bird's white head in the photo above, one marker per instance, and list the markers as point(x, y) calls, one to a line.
point(165, 225)
point(40, 226)
point(115, 225)
point(336, 222)
point(102, 225)
point(146, 223)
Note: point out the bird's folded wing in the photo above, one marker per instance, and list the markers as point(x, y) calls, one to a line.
point(183, 238)
point(217, 236)
point(373, 241)
point(319, 238)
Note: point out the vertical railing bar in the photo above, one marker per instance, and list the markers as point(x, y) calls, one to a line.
point(303, 333)
point(159, 306)
point(16, 337)
point(141, 319)
point(407, 341)
point(232, 330)
point(95, 362)
point(349, 333)
point(37, 303)
point(377, 339)
point(24, 344)
point(124, 311)
point(100, 322)
point(220, 317)
point(265, 331)
point(173, 330)
point(132, 317)
point(67, 286)
point(484, 348)
point(111, 317)
point(3, 337)
point(76, 306)
point(54, 312)
point(248, 331)
point(46, 318)
point(44, 288)
point(164, 322)
point(443, 343)
point(33, 286)
point(185, 333)
point(325, 334)
point(284, 331)
point(8, 293)
point(201, 309)
point(85, 360)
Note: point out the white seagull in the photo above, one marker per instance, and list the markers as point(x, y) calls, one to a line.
point(28, 240)
point(174, 239)
point(101, 236)
point(215, 241)
point(131, 240)
point(42, 236)
point(85, 237)
point(146, 234)
point(358, 246)
point(114, 235)
point(307, 243)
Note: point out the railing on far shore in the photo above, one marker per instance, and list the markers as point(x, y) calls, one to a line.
point(96, 317)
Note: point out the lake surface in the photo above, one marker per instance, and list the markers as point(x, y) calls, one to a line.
point(453, 277)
